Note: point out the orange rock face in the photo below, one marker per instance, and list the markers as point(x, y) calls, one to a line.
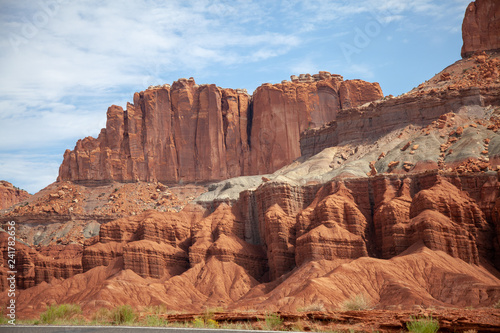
point(332, 227)
point(481, 27)
point(43, 264)
point(285, 247)
point(196, 133)
point(282, 111)
point(10, 195)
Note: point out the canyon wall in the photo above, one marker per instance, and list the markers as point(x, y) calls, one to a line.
point(197, 133)
point(481, 27)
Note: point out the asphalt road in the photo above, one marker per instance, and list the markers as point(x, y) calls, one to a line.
point(108, 329)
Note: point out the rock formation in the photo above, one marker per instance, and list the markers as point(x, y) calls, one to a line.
point(481, 27)
point(307, 241)
point(198, 133)
point(11, 195)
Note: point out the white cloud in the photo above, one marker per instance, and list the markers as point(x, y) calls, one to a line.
point(41, 168)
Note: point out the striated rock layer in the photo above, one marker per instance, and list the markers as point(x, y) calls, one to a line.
point(427, 239)
point(196, 133)
point(481, 27)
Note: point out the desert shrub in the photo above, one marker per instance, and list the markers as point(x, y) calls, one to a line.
point(497, 305)
point(123, 314)
point(155, 321)
point(356, 303)
point(198, 322)
point(211, 323)
point(422, 325)
point(205, 323)
point(273, 322)
point(102, 316)
point(59, 312)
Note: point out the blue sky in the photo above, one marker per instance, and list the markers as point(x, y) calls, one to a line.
point(64, 62)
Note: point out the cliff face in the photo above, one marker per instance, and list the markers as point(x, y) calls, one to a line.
point(10, 195)
point(481, 27)
point(192, 133)
point(282, 111)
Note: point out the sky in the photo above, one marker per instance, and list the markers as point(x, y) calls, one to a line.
point(63, 63)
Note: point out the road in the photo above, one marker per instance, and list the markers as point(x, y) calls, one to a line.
point(109, 329)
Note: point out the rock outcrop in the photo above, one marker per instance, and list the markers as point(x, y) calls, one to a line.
point(481, 27)
point(197, 133)
point(282, 111)
point(11, 195)
point(42, 264)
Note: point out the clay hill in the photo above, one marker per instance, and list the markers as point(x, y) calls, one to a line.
point(298, 197)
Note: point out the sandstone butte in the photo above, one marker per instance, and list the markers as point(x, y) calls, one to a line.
point(199, 133)
point(396, 199)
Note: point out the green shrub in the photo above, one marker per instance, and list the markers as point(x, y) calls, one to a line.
point(102, 317)
point(423, 325)
point(155, 321)
point(205, 323)
point(356, 303)
point(273, 322)
point(123, 314)
point(59, 312)
point(198, 323)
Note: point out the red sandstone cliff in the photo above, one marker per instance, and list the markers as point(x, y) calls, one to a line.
point(195, 133)
point(10, 195)
point(481, 27)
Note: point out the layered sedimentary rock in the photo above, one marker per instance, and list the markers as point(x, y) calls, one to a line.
point(151, 245)
point(221, 235)
point(371, 121)
point(34, 266)
point(282, 111)
point(333, 227)
point(481, 27)
point(10, 195)
point(196, 133)
point(308, 240)
point(443, 217)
